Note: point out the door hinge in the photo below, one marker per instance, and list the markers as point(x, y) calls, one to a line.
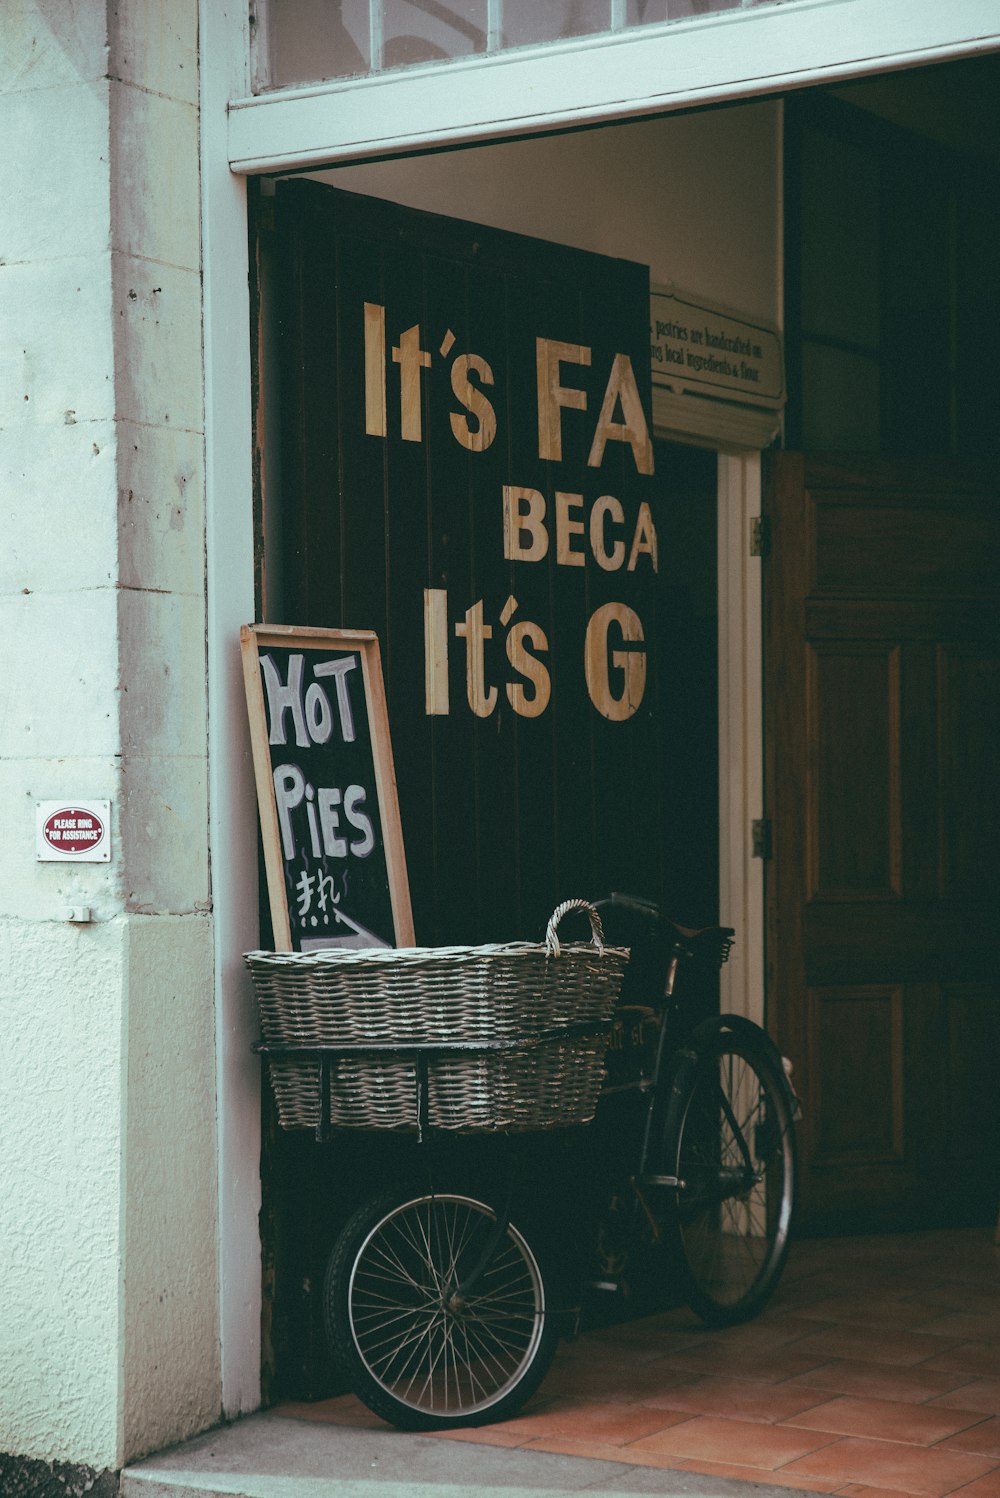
point(760, 535)
point(760, 834)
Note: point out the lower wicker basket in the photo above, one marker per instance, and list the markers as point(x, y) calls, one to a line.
point(506, 1000)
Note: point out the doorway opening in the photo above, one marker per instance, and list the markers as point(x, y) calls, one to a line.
point(517, 788)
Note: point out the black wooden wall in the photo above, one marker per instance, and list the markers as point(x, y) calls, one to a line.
point(503, 814)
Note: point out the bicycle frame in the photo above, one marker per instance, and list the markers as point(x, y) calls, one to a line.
point(679, 1044)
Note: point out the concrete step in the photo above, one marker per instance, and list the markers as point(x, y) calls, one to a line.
point(274, 1456)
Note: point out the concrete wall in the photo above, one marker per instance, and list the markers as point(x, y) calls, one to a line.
point(108, 1252)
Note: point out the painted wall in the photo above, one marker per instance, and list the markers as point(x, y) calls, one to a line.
point(108, 1254)
point(695, 197)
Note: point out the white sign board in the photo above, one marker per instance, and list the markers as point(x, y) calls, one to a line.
point(73, 831)
point(696, 346)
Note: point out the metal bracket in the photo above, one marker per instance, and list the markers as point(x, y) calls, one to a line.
point(760, 536)
point(760, 833)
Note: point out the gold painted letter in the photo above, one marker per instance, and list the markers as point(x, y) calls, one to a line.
point(474, 401)
point(436, 652)
point(524, 514)
point(552, 396)
point(644, 539)
point(529, 666)
point(633, 429)
point(599, 659)
point(374, 369)
point(566, 529)
point(606, 505)
point(475, 633)
point(411, 359)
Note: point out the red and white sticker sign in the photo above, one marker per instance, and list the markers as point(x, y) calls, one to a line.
point(73, 831)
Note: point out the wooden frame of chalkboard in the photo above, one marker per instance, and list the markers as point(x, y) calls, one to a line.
point(326, 788)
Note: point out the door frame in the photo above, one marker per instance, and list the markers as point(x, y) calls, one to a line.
point(232, 603)
point(741, 734)
point(230, 542)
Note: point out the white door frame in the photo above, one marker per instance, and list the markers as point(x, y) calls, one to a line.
point(224, 44)
point(741, 730)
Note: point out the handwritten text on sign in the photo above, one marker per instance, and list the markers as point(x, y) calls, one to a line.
point(313, 719)
point(574, 528)
point(326, 789)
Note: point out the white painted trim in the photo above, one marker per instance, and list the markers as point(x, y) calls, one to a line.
point(712, 423)
point(729, 55)
point(741, 767)
point(233, 813)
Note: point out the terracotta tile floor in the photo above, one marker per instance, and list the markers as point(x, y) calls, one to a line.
point(874, 1372)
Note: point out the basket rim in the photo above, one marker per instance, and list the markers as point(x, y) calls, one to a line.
point(403, 956)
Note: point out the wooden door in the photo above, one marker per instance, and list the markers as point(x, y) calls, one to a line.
point(882, 691)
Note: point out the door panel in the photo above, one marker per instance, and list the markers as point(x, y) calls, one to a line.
point(853, 781)
point(968, 682)
point(882, 707)
point(855, 1052)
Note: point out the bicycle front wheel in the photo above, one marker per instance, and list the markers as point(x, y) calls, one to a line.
point(732, 1142)
point(437, 1320)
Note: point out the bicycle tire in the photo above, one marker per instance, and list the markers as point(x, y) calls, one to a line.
point(731, 1224)
point(413, 1358)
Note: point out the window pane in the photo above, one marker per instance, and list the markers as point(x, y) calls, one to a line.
point(646, 12)
point(432, 30)
point(311, 40)
point(527, 21)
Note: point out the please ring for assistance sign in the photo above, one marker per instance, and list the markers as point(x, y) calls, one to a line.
point(73, 831)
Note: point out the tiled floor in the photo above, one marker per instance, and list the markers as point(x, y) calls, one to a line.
point(874, 1372)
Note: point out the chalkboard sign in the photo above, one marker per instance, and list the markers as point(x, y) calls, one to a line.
point(333, 847)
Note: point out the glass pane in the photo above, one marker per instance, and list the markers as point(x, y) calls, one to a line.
point(647, 12)
point(527, 21)
point(431, 30)
point(311, 40)
point(840, 400)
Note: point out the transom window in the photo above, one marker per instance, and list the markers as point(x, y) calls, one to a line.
point(314, 41)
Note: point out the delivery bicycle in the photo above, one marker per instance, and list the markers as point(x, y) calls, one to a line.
point(446, 1292)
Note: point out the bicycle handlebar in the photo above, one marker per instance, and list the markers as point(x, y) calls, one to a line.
point(715, 936)
point(632, 903)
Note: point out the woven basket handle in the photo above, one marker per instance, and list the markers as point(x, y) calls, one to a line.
point(596, 929)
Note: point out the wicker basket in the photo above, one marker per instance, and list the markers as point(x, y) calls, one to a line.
point(514, 994)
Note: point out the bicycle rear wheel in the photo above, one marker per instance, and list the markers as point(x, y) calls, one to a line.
point(436, 1321)
point(731, 1140)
